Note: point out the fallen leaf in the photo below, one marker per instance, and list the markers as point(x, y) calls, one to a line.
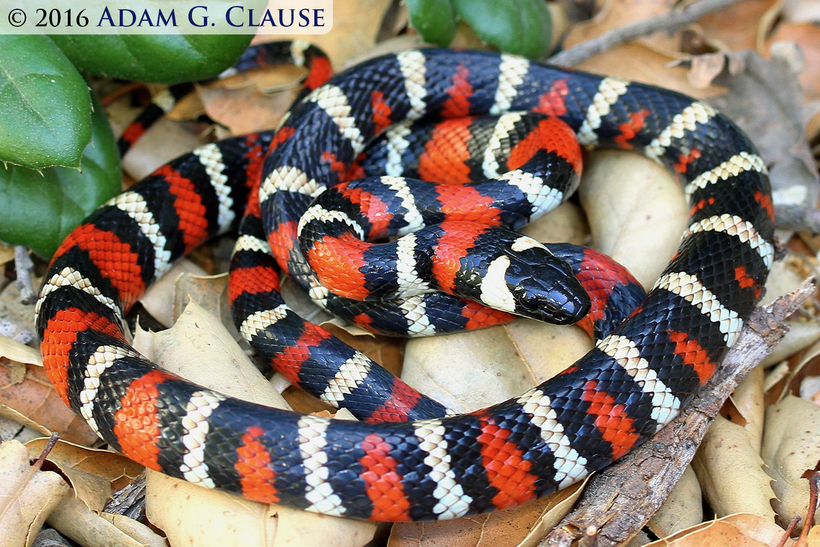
point(735, 27)
point(682, 509)
point(92, 473)
point(764, 99)
point(15, 351)
point(159, 299)
point(791, 449)
point(735, 530)
point(355, 26)
point(637, 212)
point(75, 520)
point(618, 13)
point(731, 473)
point(36, 398)
point(807, 37)
point(747, 400)
point(27, 495)
point(522, 526)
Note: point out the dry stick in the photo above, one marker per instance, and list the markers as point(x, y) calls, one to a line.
point(620, 500)
point(675, 18)
point(24, 266)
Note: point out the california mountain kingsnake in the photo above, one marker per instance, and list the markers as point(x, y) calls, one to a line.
point(631, 384)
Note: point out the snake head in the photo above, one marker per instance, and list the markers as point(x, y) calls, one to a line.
point(530, 281)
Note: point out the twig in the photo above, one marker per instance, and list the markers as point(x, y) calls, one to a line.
point(673, 19)
point(621, 499)
point(24, 266)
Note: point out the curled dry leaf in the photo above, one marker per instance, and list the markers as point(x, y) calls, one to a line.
point(6, 253)
point(20, 353)
point(801, 335)
point(355, 26)
point(32, 395)
point(637, 211)
point(737, 26)
point(135, 529)
point(747, 399)
point(75, 520)
point(682, 509)
point(159, 299)
point(27, 495)
point(618, 13)
point(522, 526)
point(807, 36)
point(791, 450)
point(736, 530)
point(765, 100)
point(164, 141)
point(93, 473)
point(731, 472)
point(222, 519)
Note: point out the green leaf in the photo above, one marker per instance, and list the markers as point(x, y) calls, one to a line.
point(434, 19)
point(44, 118)
point(38, 210)
point(516, 26)
point(166, 59)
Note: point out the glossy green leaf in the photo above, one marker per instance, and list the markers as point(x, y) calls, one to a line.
point(515, 26)
point(44, 117)
point(435, 20)
point(38, 209)
point(166, 59)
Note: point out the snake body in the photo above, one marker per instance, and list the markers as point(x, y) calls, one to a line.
point(632, 383)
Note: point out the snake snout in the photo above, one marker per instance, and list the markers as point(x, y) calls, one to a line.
point(544, 288)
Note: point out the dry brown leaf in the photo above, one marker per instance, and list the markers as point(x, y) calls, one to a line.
point(795, 372)
point(618, 13)
point(355, 25)
point(764, 99)
point(735, 530)
point(15, 351)
point(222, 519)
point(136, 530)
point(164, 141)
point(731, 472)
point(6, 253)
point(36, 398)
point(682, 509)
point(801, 335)
point(159, 299)
point(210, 292)
point(75, 520)
point(93, 473)
point(247, 109)
point(27, 495)
point(222, 364)
point(522, 526)
point(637, 211)
point(736, 27)
point(638, 62)
point(748, 401)
point(791, 448)
point(807, 36)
